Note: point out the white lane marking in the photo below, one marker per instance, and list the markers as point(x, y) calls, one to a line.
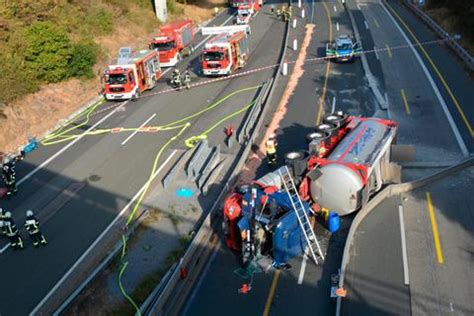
point(4, 248)
point(209, 36)
point(302, 269)
point(333, 108)
point(358, 6)
point(449, 117)
point(376, 54)
point(335, 9)
point(29, 175)
point(451, 306)
point(366, 24)
point(136, 131)
point(337, 26)
point(406, 277)
point(106, 230)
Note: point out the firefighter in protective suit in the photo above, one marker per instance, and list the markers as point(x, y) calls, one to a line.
point(12, 232)
point(176, 78)
point(9, 176)
point(32, 226)
point(187, 79)
point(2, 222)
point(271, 149)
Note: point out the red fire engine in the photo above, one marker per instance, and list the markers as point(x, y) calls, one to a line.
point(227, 51)
point(174, 40)
point(256, 4)
point(132, 74)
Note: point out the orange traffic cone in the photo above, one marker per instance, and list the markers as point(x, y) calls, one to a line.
point(245, 289)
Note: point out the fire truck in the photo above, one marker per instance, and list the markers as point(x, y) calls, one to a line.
point(347, 162)
point(133, 74)
point(227, 51)
point(255, 4)
point(173, 41)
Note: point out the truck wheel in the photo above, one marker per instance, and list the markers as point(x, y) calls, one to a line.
point(335, 118)
point(319, 136)
point(330, 128)
point(296, 161)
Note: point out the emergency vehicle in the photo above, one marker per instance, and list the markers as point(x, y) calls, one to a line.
point(133, 74)
point(174, 41)
point(348, 161)
point(255, 4)
point(343, 49)
point(227, 51)
point(244, 14)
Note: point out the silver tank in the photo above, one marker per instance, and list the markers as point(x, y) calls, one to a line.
point(340, 188)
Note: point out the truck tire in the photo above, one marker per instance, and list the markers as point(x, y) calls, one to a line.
point(296, 162)
point(320, 136)
point(330, 128)
point(335, 118)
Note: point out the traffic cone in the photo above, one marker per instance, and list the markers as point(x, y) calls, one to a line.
point(245, 288)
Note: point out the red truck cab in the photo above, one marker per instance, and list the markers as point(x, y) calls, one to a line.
point(172, 41)
point(225, 53)
point(133, 74)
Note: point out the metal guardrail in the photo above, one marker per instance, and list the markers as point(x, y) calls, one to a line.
point(452, 43)
point(163, 302)
point(388, 192)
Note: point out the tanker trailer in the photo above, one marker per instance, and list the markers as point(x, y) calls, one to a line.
point(352, 171)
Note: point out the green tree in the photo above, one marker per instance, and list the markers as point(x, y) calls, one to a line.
point(84, 56)
point(48, 51)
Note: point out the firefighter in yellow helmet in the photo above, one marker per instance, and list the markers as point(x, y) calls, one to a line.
point(271, 149)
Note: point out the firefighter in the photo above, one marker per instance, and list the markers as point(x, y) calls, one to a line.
point(271, 149)
point(9, 176)
point(176, 77)
point(2, 222)
point(187, 79)
point(32, 226)
point(12, 232)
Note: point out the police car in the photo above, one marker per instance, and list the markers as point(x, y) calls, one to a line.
point(344, 49)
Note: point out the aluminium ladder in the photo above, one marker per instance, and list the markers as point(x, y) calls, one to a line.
point(301, 214)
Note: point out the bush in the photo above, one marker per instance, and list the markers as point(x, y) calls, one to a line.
point(15, 80)
point(48, 51)
point(100, 21)
point(84, 56)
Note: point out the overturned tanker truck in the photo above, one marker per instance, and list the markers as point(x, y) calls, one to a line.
point(347, 162)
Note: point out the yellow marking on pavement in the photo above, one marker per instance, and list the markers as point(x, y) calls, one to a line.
point(376, 23)
point(434, 226)
point(405, 102)
point(440, 76)
point(389, 51)
point(328, 68)
point(271, 294)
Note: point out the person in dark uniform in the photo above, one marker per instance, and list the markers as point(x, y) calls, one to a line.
point(32, 226)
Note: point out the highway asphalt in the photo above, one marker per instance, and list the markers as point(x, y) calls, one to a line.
point(424, 123)
point(80, 192)
point(436, 277)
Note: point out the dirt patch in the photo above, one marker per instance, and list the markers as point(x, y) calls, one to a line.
point(37, 113)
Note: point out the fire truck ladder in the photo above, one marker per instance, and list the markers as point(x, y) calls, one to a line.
point(303, 219)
